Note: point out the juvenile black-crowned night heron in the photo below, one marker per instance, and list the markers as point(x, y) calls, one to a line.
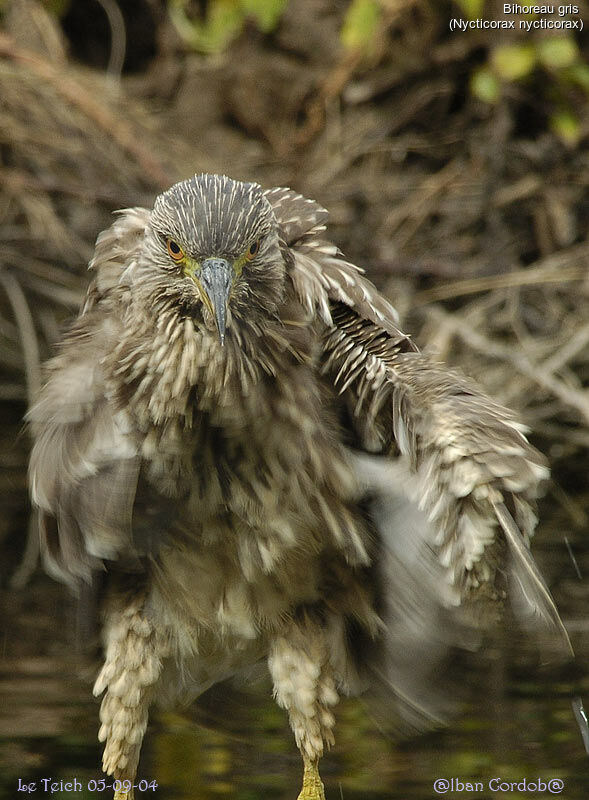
point(264, 467)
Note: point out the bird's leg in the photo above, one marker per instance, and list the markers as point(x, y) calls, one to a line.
point(131, 670)
point(312, 783)
point(305, 686)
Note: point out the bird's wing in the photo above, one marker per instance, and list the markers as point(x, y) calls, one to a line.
point(452, 497)
point(83, 469)
point(84, 464)
point(320, 274)
point(451, 478)
point(113, 253)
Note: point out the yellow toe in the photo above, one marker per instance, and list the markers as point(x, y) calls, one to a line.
point(312, 783)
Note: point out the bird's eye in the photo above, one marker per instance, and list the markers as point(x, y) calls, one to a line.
point(174, 250)
point(252, 250)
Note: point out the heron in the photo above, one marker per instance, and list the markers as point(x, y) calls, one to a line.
point(238, 439)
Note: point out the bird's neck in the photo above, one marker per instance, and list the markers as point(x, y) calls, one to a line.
point(169, 367)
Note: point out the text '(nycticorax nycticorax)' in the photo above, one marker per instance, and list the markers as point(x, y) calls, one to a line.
point(265, 468)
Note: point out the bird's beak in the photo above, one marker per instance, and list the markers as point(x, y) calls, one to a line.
point(216, 278)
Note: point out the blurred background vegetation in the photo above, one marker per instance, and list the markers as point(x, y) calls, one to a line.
point(455, 168)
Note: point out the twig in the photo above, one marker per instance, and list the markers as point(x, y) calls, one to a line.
point(331, 88)
point(574, 398)
point(582, 721)
point(407, 220)
point(70, 298)
point(573, 559)
point(557, 361)
point(523, 277)
point(577, 343)
point(28, 335)
point(118, 37)
point(114, 126)
point(555, 268)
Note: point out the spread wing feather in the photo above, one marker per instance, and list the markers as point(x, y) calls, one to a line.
point(84, 465)
point(446, 464)
point(321, 274)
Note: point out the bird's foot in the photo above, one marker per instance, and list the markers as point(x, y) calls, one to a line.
point(312, 783)
point(122, 795)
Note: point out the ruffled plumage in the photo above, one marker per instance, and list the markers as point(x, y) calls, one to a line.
point(315, 492)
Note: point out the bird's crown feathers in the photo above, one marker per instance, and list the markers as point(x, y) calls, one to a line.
point(213, 214)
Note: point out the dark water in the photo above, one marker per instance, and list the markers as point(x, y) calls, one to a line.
point(518, 727)
point(48, 731)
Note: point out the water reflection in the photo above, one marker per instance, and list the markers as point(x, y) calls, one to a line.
point(519, 724)
point(48, 728)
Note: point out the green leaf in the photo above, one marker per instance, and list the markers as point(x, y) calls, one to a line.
point(485, 85)
point(579, 74)
point(557, 52)
point(360, 24)
point(566, 126)
point(58, 8)
point(513, 62)
point(224, 21)
point(473, 9)
point(267, 13)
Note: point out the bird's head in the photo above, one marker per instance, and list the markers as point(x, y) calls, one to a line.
point(212, 245)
